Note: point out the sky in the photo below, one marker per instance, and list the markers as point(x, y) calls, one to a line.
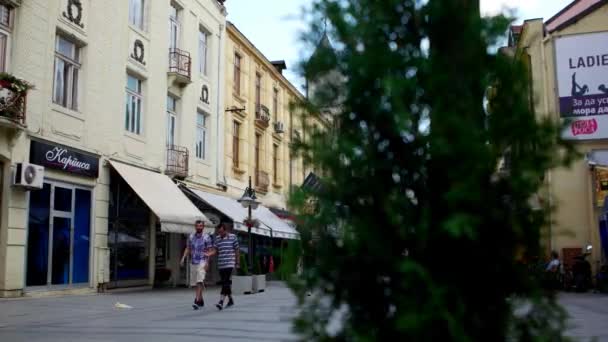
point(275, 26)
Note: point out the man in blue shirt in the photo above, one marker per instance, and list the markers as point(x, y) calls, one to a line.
point(200, 248)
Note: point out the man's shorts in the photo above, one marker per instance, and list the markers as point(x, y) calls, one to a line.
point(197, 273)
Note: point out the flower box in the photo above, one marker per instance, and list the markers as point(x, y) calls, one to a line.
point(259, 283)
point(242, 284)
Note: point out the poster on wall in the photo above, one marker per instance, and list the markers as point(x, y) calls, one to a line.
point(582, 84)
point(601, 185)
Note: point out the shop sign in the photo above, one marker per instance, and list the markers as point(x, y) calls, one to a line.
point(586, 128)
point(59, 157)
point(582, 84)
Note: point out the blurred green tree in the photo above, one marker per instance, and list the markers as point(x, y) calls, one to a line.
point(416, 232)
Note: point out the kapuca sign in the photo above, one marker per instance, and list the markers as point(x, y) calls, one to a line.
point(59, 157)
point(582, 84)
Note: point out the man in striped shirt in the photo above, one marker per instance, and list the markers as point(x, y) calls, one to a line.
point(227, 247)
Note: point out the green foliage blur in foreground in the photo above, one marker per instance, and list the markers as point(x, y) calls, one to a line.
point(414, 234)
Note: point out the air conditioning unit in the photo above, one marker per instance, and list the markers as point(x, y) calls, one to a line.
point(29, 176)
point(297, 134)
point(279, 127)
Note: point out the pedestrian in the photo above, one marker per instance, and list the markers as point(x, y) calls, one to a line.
point(200, 248)
point(552, 276)
point(553, 265)
point(227, 248)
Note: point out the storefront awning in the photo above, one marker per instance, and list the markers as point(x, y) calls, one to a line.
point(597, 157)
point(174, 210)
point(280, 228)
point(270, 224)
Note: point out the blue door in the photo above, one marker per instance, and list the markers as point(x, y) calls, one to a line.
point(59, 230)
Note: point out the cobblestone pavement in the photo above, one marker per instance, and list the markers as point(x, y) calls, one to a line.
point(156, 315)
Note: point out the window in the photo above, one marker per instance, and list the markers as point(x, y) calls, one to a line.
point(5, 30)
point(237, 74)
point(5, 16)
point(201, 135)
point(173, 26)
point(236, 128)
point(258, 92)
point(3, 50)
point(136, 13)
point(171, 120)
point(275, 104)
point(133, 113)
point(275, 163)
point(202, 52)
point(258, 142)
point(65, 80)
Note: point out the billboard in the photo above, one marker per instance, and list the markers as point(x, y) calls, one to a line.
point(582, 84)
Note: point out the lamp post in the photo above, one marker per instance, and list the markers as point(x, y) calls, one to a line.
point(249, 201)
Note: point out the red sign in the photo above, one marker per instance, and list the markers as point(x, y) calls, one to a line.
point(584, 127)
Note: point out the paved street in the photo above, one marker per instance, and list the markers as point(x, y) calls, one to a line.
point(158, 315)
point(166, 315)
point(588, 315)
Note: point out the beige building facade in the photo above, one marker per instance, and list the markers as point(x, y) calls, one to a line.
point(128, 102)
point(562, 54)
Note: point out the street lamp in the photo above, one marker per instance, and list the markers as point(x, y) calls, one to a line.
point(249, 201)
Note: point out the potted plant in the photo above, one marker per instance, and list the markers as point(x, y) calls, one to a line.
point(259, 278)
point(242, 282)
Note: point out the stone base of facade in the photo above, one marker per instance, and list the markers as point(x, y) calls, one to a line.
point(58, 293)
point(11, 293)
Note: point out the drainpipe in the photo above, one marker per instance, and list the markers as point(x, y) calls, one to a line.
point(290, 151)
point(219, 141)
point(547, 92)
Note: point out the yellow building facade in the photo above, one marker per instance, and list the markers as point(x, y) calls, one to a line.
point(562, 58)
point(260, 123)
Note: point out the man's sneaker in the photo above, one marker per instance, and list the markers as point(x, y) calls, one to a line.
point(195, 305)
point(230, 303)
point(219, 305)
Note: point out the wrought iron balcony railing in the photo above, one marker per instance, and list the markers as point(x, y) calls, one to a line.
point(279, 127)
point(180, 65)
point(12, 108)
point(13, 101)
point(262, 116)
point(177, 161)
